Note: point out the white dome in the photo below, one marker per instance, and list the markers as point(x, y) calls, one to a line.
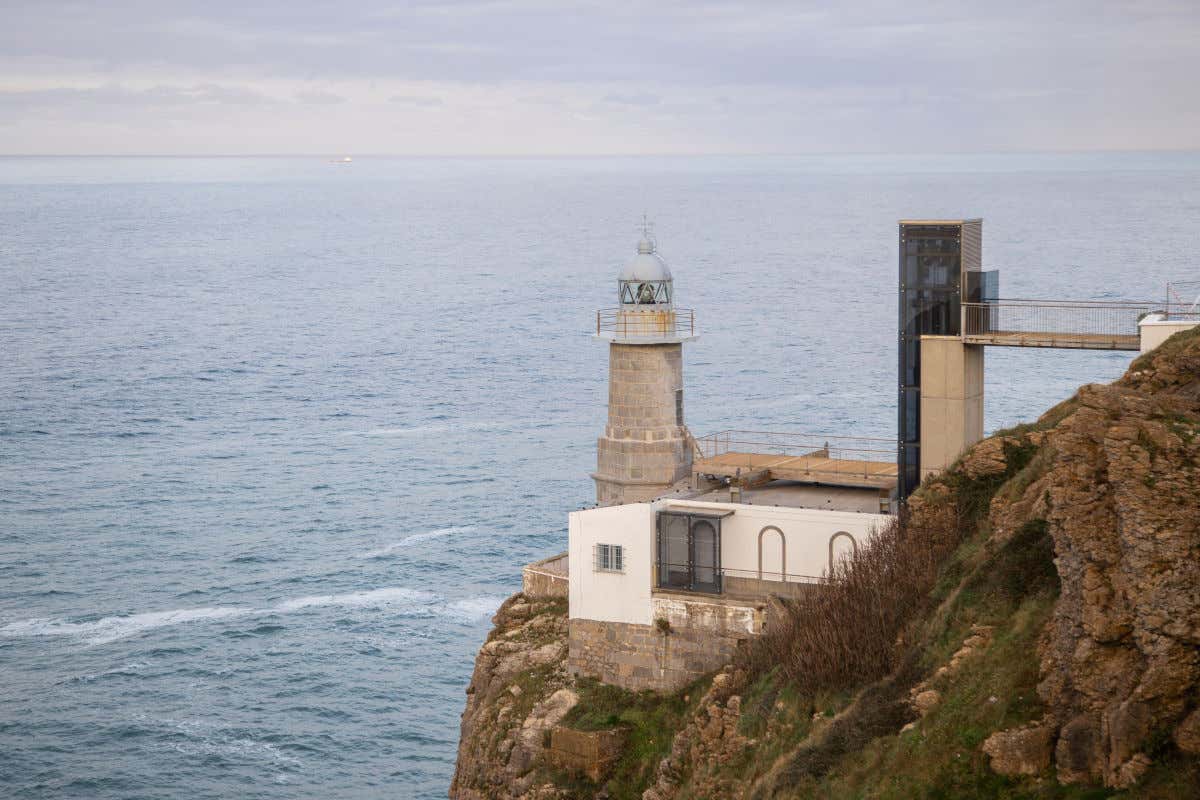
point(647, 265)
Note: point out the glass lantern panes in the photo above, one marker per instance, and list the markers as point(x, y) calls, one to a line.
point(645, 293)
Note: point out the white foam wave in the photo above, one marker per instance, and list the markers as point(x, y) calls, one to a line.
point(248, 749)
point(414, 539)
point(110, 629)
point(373, 598)
point(420, 430)
point(404, 431)
point(470, 609)
point(204, 738)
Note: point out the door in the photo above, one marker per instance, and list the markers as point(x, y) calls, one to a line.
point(706, 556)
point(689, 552)
point(674, 557)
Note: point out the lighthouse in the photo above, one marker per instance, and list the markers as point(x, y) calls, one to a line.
point(646, 447)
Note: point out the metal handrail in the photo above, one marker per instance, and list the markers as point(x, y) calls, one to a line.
point(772, 576)
point(1179, 306)
point(646, 324)
point(800, 445)
point(1060, 318)
point(1090, 324)
point(1096, 303)
point(719, 574)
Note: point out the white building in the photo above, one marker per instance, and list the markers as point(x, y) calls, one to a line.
point(634, 563)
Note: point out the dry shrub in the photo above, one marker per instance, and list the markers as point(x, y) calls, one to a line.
point(845, 631)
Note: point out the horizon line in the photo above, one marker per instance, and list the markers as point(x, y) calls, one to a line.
point(712, 154)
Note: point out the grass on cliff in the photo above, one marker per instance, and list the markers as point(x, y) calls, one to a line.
point(834, 675)
point(1011, 588)
point(860, 752)
point(652, 721)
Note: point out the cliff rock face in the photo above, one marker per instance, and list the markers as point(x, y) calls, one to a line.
point(1112, 477)
point(1117, 482)
point(709, 740)
point(518, 692)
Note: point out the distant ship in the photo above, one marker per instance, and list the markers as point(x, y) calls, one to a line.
point(342, 160)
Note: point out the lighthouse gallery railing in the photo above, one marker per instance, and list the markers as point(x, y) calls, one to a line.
point(635, 324)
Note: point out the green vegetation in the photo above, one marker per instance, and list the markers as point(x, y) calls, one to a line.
point(1045, 422)
point(973, 496)
point(1009, 586)
point(652, 721)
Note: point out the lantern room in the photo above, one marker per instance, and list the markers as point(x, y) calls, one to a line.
point(645, 283)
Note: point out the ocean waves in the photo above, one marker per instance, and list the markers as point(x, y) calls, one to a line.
point(426, 430)
point(408, 602)
point(416, 538)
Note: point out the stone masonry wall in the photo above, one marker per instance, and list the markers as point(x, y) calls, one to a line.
point(546, 578)
point(642, 380)
point(644, 449)
point(589, 752)
point(702, 638)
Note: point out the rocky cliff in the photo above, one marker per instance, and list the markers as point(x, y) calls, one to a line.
point(1057, 654)
point(518, 691)
point(1117, 482)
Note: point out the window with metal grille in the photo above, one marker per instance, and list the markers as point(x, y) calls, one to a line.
point(609, 558)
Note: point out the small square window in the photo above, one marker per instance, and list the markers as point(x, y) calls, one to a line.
point(609, 558)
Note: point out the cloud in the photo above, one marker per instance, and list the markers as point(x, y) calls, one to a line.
point(116, 95)
point(635, 99)
point(319, 98)
point(719, 74)
point(416, 100)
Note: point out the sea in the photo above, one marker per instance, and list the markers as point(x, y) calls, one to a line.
point(278, 434)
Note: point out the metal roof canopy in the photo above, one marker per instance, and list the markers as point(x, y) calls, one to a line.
point(698, 513)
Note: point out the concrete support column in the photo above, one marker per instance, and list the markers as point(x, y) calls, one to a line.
point(951, 400)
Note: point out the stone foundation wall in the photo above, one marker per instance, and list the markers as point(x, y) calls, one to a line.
point(546, 578)
point(591, 753)
point(701, 638)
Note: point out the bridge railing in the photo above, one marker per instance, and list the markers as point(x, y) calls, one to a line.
point(1092, 319)
point(1183, 300)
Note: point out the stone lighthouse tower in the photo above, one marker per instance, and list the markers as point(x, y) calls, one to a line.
point(645, 447)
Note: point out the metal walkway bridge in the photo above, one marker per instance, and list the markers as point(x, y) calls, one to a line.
point(1084, 325)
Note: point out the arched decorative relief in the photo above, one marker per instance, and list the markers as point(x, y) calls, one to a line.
point(833, 546)
point(782, 551)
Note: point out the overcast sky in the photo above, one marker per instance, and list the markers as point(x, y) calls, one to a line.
point(555, 77)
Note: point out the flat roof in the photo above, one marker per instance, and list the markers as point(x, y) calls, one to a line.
point(939, 221)
point(790, 494)
point(815, 467)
